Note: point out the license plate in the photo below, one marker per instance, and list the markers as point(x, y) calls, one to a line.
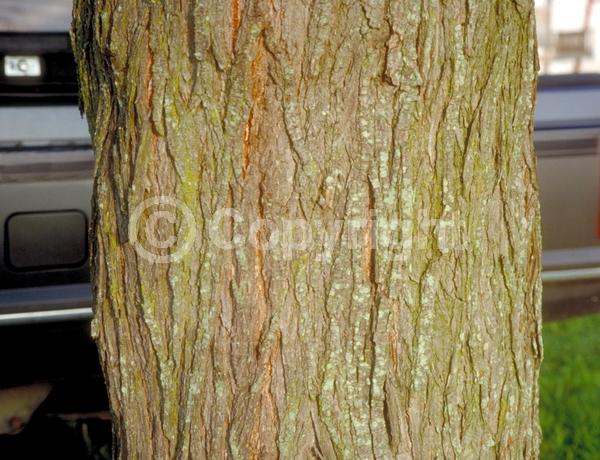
point(22, 66)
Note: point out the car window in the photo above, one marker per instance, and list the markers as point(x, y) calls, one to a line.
point(35, 15)
point(568, 36)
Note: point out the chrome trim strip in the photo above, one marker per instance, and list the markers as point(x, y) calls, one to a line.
point(557, 259)
point(71, 314)
point(46, 298)
point(45, 304)
point(85, 313)
point(576, 274)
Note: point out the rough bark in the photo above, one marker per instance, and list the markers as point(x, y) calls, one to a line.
point(413, 119)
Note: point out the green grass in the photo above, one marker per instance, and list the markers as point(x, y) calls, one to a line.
point(570, 389)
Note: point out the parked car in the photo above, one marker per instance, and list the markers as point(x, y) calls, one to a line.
point(45, 182)
point(567, 135)
point(46, 167)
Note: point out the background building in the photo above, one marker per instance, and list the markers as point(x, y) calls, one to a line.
point(569, 39)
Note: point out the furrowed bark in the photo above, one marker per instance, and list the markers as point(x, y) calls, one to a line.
point(405, 126)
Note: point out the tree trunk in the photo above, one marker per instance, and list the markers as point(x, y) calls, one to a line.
point(316, 226)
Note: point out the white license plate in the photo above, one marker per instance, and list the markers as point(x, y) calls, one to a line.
point(22, 66)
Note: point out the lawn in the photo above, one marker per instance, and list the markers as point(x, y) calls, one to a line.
point(570, 389)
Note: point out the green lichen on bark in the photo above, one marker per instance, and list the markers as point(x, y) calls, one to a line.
point(327, 111)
